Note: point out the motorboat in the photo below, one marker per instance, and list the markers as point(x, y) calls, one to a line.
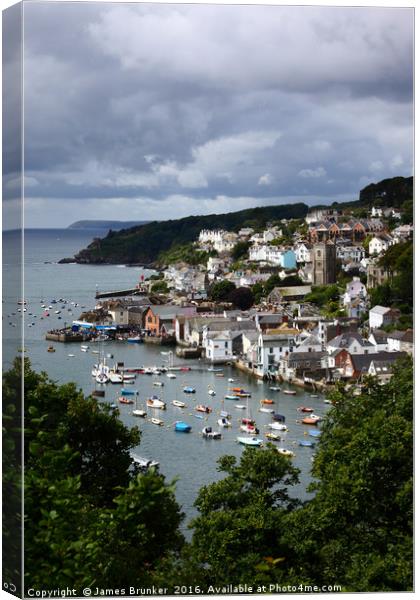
point(102, 378)
point(275, 388)
point(182, 427)
point(158, 383)
point(266, 410)
point(139, 412)
point(125, 400)
point(248, 428)
point(231, 380)
point(179, 404)
point(267, 401)
point(289, 392)
point(285, 452)
point(50, 349)
point(134, 340)
point(274, 437)
point(305, 409)
point(314, 433)
point(203, 408)
point(309, 421)
point(144, 463)
point(171, 375)
point(224, 422)
point(279, 418)
point(209, 434)
point(277, 426)
point(240, 406)
point(155, 402)
point(306, 443)
point(231, 397)
point(212, 392)
point(129, 377)
point(126, 392)
point(189, 390)
point(250, 441)
point(115, 377)
point(156, 421)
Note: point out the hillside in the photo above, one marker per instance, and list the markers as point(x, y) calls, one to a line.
point(143, 244)
point(114, 225)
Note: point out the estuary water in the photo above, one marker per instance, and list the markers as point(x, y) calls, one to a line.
point(189, 458)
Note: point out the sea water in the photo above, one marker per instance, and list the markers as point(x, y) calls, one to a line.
point(189, 458)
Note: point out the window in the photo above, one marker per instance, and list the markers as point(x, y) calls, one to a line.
point(272, 350)
point(226, 344)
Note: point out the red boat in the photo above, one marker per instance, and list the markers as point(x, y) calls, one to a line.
point(246, 421)
point(123, 400)
point(267, 401)
point(309, 421)
point(185, 369)
point(307, 409)
point(202, 408)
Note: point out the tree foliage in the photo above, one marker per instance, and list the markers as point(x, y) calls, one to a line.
point(242, 298)
point(90, 517)
point(221, 291)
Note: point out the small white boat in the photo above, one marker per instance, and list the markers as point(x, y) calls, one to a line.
point(156, 403)
point(249, 441)
point(269, 411)
point(224, 422)
point(326, 401)
point(115, 377)
point(171, 375)
point(102, 378)
point(274, 388)
point(214, 370)
point(209, 434)
point(158, 383)
point(138, 412)
point(277, 426)
point(156, 421)
point(231, 380)
point(70, 355)
point(144, 463)
point(240, 406)
point(129, 377)
point(179, 404)
point(212, 393)
point(313, 396)
point(285, 452)
point(289, 392)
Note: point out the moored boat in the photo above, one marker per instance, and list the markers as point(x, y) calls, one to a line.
point(156, 421)
point(249, 441)
point(289, 392)
point(171, 375)
point(189, 390)
point(267, 401)
point(211, 392)
point(231, 397)
point(306, 443)
point(273, 436)
point(285, 452)
point(179, 404)
point(209, 434)
point(125, 400)
point(155, 402)
point(274, 388)
point(277, 426)
point(309, 421)
point(182, 427)
point(224, 422)
point(203, 408)
point(305, 409)
point(266, 410)
point(240, 406)
point(139, 412)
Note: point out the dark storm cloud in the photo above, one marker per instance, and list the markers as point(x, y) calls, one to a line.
point(168, 110)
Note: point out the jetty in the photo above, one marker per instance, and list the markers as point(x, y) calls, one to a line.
point(136, 291)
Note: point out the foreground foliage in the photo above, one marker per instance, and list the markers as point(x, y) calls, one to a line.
point(91, 519)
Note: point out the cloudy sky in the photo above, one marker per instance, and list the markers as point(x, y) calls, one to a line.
point(159, 111)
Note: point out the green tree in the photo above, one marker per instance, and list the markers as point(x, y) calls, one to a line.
point(242, 298)
point(160, 287)
point(241, 518)
point(240, 250)
point(357, 529)
point(91, 518)
point(221, 291)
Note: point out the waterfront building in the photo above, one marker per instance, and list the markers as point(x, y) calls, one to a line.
point(380, 316)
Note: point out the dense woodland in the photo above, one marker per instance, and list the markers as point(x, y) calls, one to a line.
point(92, 519)
point(161, 242)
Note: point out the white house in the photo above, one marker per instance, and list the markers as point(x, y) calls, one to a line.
point(403, 232)
point(271, 348)
point(379, 339)
point(380, 316)
point(350, 253)
point(379, 244)
point(377, 211)
point(355, 297)
point(218, 346)
point(245, 232)
point(352, 342)
point(401, 341)
point(303, 252)
point(226, 243)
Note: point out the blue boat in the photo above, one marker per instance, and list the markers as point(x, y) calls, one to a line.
point(125, 392)
point(182, 427)
point(189, 390)
point(307, 443)
point(279, 418)
point(314, 432)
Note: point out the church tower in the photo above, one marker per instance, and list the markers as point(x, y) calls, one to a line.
point(323, 263)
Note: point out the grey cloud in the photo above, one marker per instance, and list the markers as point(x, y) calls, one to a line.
point(135, 102)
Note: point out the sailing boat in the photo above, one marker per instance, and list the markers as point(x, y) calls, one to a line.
point(248, 425)
point(139, 412)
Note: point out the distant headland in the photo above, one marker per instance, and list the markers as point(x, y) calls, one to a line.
point(100, 224)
